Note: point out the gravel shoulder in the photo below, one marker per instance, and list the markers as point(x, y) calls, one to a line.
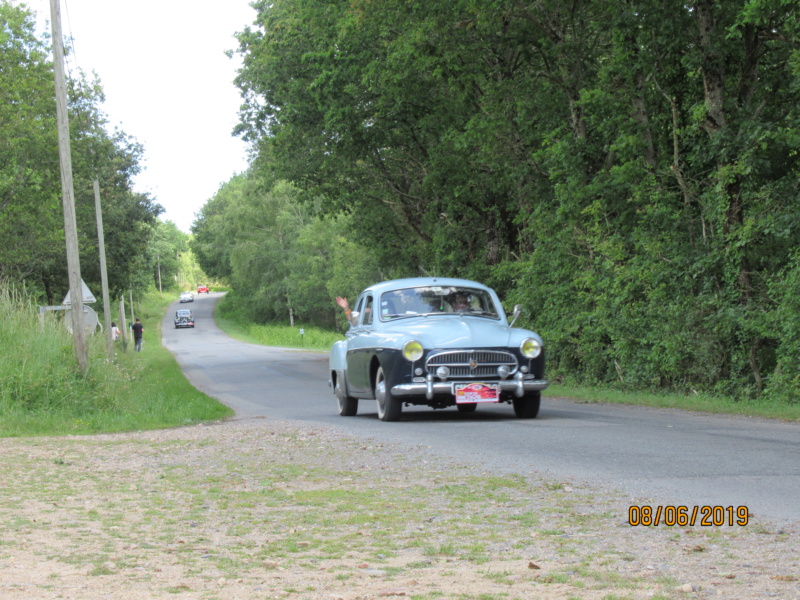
point(259, 508)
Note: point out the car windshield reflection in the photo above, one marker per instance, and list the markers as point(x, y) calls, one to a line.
point(436, 300)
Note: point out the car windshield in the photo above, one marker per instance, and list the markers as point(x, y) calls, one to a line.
point(183, 313)
point(436, 300)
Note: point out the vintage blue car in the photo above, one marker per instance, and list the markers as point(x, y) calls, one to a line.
point(439, 343)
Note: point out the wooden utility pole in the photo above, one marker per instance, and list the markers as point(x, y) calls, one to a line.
point(68, 194)
point(123, 327)
point(103, 272)
point(158, 260)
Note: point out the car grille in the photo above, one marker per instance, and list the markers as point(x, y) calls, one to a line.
point(471, 363)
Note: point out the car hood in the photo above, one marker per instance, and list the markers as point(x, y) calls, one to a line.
point(456, 332)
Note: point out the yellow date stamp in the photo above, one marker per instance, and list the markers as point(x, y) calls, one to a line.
point(683, 516)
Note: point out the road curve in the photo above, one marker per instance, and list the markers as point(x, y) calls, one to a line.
point(658, 456)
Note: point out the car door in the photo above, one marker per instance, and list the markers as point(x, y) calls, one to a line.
point(360, 348)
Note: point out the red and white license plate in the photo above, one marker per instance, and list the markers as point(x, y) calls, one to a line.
point(469, 393)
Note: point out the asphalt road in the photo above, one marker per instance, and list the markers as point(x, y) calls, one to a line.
point(661, 457)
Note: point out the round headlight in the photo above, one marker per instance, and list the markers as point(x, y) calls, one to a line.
point(530, 348)
point(412, 350)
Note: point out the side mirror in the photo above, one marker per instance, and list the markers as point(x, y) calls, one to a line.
point(517, 313)
point(354, 316)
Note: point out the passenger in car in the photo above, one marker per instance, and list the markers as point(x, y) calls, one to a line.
point(367, 320)
point(346, 308)
point(460, 302)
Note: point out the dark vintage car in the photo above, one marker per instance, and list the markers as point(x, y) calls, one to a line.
point(184, 318)
point(439, 343)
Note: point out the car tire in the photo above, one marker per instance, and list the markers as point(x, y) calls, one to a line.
point(467, 408)
point(527, 407)
point(348, 406)
point(389, 407)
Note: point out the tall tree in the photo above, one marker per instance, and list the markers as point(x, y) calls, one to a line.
point(31, 220)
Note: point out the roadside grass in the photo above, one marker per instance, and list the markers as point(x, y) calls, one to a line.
point(284, 336)
point(42, 391)
point(695, 402)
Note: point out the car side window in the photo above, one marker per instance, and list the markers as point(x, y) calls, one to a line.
point(366, 312)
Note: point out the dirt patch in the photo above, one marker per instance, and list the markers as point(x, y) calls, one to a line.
point(269, 509)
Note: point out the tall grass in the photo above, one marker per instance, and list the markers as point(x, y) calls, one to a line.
point(42, 391)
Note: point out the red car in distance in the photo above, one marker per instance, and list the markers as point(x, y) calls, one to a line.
point(202, 289)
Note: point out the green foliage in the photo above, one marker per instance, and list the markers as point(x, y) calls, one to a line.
point(31, 213)
point(628, 171)
point(284, 260)
point(785, 324)
point(29, 177)
point(171, 260)
point(213, 232)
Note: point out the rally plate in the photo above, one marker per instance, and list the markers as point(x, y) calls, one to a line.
point(470, 393)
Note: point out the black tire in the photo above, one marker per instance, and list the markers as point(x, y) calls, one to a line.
point(467, 408)
point(527, 407)
point(348, 406)
point(389, 407)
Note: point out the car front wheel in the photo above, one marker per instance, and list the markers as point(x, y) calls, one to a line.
point(389, 407)
point(527, 407)
point(348, 406)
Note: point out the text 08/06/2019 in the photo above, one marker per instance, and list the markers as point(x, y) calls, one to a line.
point(704, 516)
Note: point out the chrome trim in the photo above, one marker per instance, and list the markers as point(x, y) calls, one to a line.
point(517, 313)
point(430, 388)
point(471, 364)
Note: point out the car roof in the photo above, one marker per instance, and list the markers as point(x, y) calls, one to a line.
point(398, 284)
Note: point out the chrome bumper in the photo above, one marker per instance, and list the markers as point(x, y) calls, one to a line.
point(429, 388)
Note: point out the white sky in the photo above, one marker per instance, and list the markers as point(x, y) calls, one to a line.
point(168, 84)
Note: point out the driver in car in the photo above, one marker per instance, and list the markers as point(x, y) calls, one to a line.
point(460, 302)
